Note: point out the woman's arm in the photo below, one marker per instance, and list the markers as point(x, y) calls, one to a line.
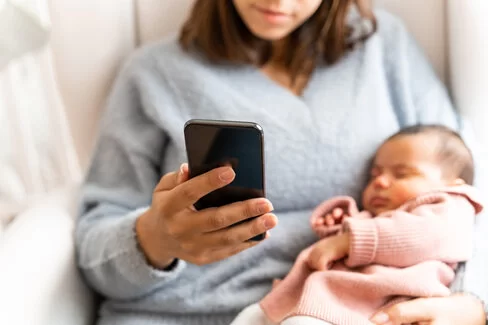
point(124, 171)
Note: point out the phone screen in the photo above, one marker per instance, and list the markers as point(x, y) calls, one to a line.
point(211, 146)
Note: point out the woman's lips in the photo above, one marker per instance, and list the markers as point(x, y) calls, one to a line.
point(272, 16)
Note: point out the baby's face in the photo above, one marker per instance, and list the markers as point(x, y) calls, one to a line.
point(403, 168)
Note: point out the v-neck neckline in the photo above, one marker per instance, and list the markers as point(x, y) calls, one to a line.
point(249, 81)
point(282, 89)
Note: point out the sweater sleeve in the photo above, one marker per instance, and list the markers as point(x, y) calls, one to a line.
point(124, 171)
point(440, 229)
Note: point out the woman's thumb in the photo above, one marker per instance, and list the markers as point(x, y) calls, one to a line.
point(183, 174)
point(173, 179)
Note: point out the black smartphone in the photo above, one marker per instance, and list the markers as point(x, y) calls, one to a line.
point(211, 144)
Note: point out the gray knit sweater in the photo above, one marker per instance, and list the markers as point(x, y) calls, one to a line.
point(317, 146)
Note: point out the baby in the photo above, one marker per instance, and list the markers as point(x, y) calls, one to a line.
point(419, 211)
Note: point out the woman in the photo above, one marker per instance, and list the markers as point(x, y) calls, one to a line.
point(325, 87)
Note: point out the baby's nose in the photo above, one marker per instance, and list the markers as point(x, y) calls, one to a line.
point(382, 181)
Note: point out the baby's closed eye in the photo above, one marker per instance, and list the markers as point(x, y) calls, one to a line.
point(405, 172)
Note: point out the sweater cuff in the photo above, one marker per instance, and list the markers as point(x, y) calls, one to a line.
point(363, 241)
point(133, 263)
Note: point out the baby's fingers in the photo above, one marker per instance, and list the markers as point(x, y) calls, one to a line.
point(319, 222)
point(337, 213)
point(329, 220)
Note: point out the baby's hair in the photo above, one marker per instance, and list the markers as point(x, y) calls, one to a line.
point(453, 154)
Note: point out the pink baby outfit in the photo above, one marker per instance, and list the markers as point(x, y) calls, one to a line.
point(406, 253)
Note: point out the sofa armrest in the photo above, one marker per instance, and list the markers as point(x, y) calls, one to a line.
point(468, 49)
point(39, 281)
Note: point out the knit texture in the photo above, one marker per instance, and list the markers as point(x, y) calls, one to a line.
point(401, 254)
point(317, 146)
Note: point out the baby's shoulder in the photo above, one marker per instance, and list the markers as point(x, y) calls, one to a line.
point(450, 197)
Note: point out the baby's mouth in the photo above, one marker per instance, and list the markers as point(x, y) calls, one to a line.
point(379, 202)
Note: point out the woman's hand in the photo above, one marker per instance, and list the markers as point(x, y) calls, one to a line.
point(328, 250)
point(172, 228)
point(458, 309)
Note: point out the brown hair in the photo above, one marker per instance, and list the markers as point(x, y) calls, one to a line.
point(453, 154)
point(216, 29)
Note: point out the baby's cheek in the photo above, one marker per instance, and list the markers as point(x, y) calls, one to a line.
point(366, 197)
point(409, 191)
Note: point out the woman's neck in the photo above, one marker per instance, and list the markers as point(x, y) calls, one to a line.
point(279, 51)
point(277, 71)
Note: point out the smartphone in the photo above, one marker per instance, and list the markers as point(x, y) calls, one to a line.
point(211, 144)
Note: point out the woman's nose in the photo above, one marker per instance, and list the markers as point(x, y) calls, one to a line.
point(381, 181)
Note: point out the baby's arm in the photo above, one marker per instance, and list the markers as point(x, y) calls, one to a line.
point(439, 229)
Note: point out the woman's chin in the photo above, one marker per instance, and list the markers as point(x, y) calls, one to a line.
point(271, 35)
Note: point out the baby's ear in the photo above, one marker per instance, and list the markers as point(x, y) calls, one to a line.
point(458, 182)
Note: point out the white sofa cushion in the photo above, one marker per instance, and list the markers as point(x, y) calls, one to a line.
point(39, 280)
point(90, 39)
point(468, 52)
point(426, 20)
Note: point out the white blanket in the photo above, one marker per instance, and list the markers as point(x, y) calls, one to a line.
point(36, 153)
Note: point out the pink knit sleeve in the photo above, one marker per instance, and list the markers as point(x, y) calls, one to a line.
point(432, 227)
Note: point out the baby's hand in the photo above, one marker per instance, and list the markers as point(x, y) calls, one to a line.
point(327, 251)
point(336, 217)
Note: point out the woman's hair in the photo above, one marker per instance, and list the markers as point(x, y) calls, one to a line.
point(453, 155)
point(216, 29)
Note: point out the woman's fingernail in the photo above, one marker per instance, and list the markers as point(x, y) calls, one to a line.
point(227, 175)
point(264, 207)
point(269, 223)
point(182, 169)
point(271, 207)
point(381, 319)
